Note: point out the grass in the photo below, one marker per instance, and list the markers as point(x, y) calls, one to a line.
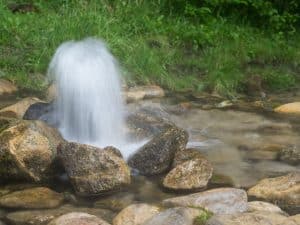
point(152, 47)
point(203, 217)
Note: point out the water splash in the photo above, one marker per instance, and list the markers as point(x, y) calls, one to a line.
point(89, 107)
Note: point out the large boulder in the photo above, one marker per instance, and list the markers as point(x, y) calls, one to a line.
point(175, 216)
point(156, 156)
point(28, 150)
point(290, 108)
point(92, 170)
point(284, 191)
point(135, 214)
point(33, 198)
point(218, 201)
point(18, 109)
point(44, 216)
point(7, 87)
point(78, 218)
point(191, 174)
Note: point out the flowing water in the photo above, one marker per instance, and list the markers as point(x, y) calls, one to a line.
point(89, 107)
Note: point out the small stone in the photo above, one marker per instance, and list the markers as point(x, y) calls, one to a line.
point(135, 214)
point(34, 198)
point(6, 87)
point(78, 218)
point(290, 108)
point(115, 202)
point(218, 201)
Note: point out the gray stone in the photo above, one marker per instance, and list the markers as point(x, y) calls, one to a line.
point(78, 218)
point(218, 201)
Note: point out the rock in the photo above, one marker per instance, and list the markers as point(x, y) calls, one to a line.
point(156, 156)
point(256, 218)
point(192, 174)
point(175, 216)
point(284, 191)
point(42, 217)
point(143, 92)
point(93, 170)
point(51, 93)
point(265, 207)
point(78, 218)
point(34, 198)
point(290, 108)
point(115, 202)
point(218, 201)
point(18, 110)
point(186, 155)
point(135, 214)
point(7, 87)
point(1, 223)
point(290, 154)
point(292, 220)
point(147, 122)
point(28, 150)
point(38, 111)
point(221, 180)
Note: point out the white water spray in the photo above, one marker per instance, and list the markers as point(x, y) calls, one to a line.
point(89, 104)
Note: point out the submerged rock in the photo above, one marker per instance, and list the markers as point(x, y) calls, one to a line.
point(156, 156)
point(34, 198)
point(218, 201)
point(290, 108)
point(115, 202)
point(135, 214)
point(43, 217)
point(7, 87)
point(290, 154)
point(175, 216)
point(93, 170)
point(284, 191)
point(18, 109)
point(28, 150)
point(78, 218)
point(191, 174)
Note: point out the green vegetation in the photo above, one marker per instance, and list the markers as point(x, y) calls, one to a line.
point(211, 45)
point(203, 217)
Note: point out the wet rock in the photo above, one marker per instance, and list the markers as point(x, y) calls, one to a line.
point(175, 216)
point(34, 198)
point(43, 217)
point(51, 93)
point(7, 87)
point(290, 154)
point(221, 180)
point(186, 155)
point(218, 201)
point(135, 214)
point(115, 202)
point(38, 110)
point(78, 218)
point(255, 218)
point(156, 156)
point(18, 110)
point(93, 170)
point(192, 174)
point(28, 150)
point(290, 108)
point(284, 191)
point(143, 92)
point(147, 122)
point(264, 207)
